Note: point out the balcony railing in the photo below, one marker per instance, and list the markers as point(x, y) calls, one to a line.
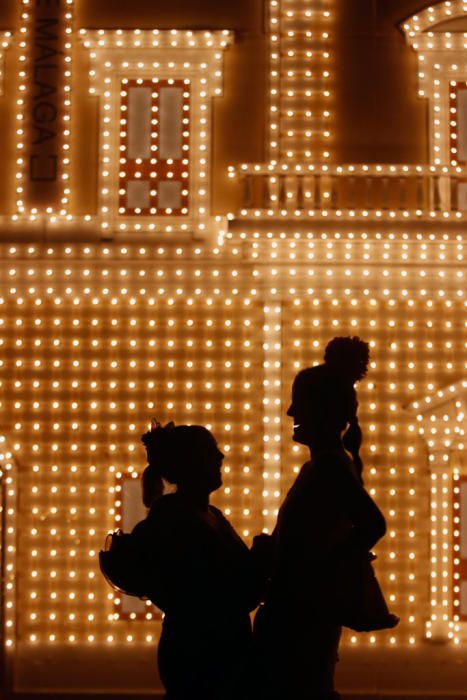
point(366, 190)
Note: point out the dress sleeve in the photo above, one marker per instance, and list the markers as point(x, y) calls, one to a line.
point(140, 530)
point(369, 524)
point(178, 558)
point(243, 579)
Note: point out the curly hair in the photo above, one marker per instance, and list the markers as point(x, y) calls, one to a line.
point(327, 391)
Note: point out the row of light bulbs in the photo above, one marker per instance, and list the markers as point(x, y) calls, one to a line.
point(288, 139)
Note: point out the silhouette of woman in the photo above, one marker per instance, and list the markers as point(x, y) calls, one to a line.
point(327, 510)
point(202, 573)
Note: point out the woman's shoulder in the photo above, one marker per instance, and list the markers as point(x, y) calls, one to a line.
point(153, 524)
point(333, 459)
point(166, 521)
point(165, 507)
point(336, 467)
point(220, 517)
point(341, 476)
point(169, 500)
point(217, 512)
point(223, 520)
point(326, 464)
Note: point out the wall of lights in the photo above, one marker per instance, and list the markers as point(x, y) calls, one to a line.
point(205, 319)
point(105, 358)
point(94, 341)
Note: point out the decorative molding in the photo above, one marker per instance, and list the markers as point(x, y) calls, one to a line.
point(194, 57)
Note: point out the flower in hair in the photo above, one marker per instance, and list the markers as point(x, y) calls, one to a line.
point(153, 438)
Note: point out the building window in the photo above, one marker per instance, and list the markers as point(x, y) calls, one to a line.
point(154, 173)
point(129, 510)
point(156, 90)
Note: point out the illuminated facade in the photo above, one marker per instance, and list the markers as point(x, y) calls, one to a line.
point(135, 294)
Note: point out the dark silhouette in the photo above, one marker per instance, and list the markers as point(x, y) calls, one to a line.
point(320, 547)
point(202, 573)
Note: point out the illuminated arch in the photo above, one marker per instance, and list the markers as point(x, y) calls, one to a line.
point(441, 47)
point(430, 17)
point(442, 420)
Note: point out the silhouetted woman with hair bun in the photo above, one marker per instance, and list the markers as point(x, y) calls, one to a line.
point(203, 574)
point(327, 510)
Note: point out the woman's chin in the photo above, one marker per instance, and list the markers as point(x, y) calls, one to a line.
point(298, 436)
point(216, 484)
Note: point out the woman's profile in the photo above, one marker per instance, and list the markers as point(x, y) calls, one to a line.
point(203, 576)
point(326, 515)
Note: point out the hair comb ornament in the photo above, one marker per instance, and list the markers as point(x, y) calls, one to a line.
point(152, 438)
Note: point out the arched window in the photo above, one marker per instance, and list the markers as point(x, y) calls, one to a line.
point(439, 36)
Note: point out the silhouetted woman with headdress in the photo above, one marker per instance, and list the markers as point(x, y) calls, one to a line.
point(326, 512)
point(202, 572)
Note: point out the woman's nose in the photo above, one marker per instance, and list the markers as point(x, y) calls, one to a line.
point(289, 410)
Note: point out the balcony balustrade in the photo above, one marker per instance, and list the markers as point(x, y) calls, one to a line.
point(370, 191)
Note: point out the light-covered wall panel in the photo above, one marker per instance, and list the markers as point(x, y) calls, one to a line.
point(416, 345)
point(84, 369)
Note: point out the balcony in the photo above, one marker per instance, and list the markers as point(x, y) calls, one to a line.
point(371, 192)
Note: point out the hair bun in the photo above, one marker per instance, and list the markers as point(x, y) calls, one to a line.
point(157, 435)
point(347, 357)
